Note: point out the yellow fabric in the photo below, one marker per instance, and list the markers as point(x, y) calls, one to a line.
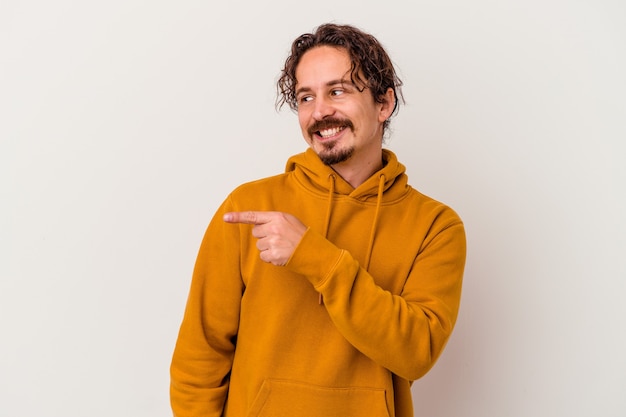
point(255, 341)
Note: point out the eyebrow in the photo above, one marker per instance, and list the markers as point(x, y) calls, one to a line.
point(331, 83)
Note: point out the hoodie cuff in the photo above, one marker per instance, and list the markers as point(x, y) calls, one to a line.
point(315, 257)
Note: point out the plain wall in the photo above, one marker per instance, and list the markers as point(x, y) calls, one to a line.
point(124, 124)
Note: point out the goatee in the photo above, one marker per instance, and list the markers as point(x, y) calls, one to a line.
point(331, 156)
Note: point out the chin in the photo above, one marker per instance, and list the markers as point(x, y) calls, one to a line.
point(335, 156)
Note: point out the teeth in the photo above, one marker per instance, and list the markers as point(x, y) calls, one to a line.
point(329, 132)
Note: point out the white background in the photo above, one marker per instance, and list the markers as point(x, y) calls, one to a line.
point(123, 125)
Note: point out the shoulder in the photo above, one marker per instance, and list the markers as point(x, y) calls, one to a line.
point(260, 185)
point(263, 192)
point(432, 208)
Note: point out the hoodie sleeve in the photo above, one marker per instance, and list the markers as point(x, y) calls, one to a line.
point(403, 332)
point(204, 350)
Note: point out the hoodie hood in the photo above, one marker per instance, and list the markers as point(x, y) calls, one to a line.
point(386, 185)
point(314, 175)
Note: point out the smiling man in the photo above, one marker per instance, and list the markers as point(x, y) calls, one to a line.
point(328, 289)
point(339, 118)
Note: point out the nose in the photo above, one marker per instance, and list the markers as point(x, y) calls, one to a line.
point(323, 108)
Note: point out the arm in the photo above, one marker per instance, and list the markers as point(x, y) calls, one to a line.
point(205, 347)
point(407, 332)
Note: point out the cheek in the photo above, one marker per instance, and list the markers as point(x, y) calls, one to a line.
point(303, 119)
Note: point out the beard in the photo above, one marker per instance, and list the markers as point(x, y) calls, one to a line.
point(330, 155)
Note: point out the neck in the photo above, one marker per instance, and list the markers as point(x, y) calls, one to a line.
point(356, 173)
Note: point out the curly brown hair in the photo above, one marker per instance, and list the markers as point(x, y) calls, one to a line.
point(371, 66)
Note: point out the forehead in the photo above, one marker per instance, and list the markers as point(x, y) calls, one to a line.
point(321, 65)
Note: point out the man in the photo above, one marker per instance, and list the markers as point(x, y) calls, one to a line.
point(326, 290)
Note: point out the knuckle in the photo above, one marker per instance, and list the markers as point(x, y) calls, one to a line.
point(250, 216)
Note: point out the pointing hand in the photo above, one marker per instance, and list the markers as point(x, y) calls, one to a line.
point(277, 233)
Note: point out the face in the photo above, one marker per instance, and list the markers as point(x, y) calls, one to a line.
point(341, 124)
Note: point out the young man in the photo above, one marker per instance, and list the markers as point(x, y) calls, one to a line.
point(326, 290)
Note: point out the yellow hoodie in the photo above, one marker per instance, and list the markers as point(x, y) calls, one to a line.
point(255, 339)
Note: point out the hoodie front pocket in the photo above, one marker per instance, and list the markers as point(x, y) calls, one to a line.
point(279, 398)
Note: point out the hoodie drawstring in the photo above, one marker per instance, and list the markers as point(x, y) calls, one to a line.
point(331, 191)
point(370, 245)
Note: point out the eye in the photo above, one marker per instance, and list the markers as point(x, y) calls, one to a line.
point(305, 99)
point(336, 92)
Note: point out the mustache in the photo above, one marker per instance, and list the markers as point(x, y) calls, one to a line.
point(329, 123)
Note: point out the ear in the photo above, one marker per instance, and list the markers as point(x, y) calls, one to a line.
point(387, 106)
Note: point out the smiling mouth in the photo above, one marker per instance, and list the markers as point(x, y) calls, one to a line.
point(328, 133)
point(328, 128)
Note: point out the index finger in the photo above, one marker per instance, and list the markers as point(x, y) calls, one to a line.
point(248, 217)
